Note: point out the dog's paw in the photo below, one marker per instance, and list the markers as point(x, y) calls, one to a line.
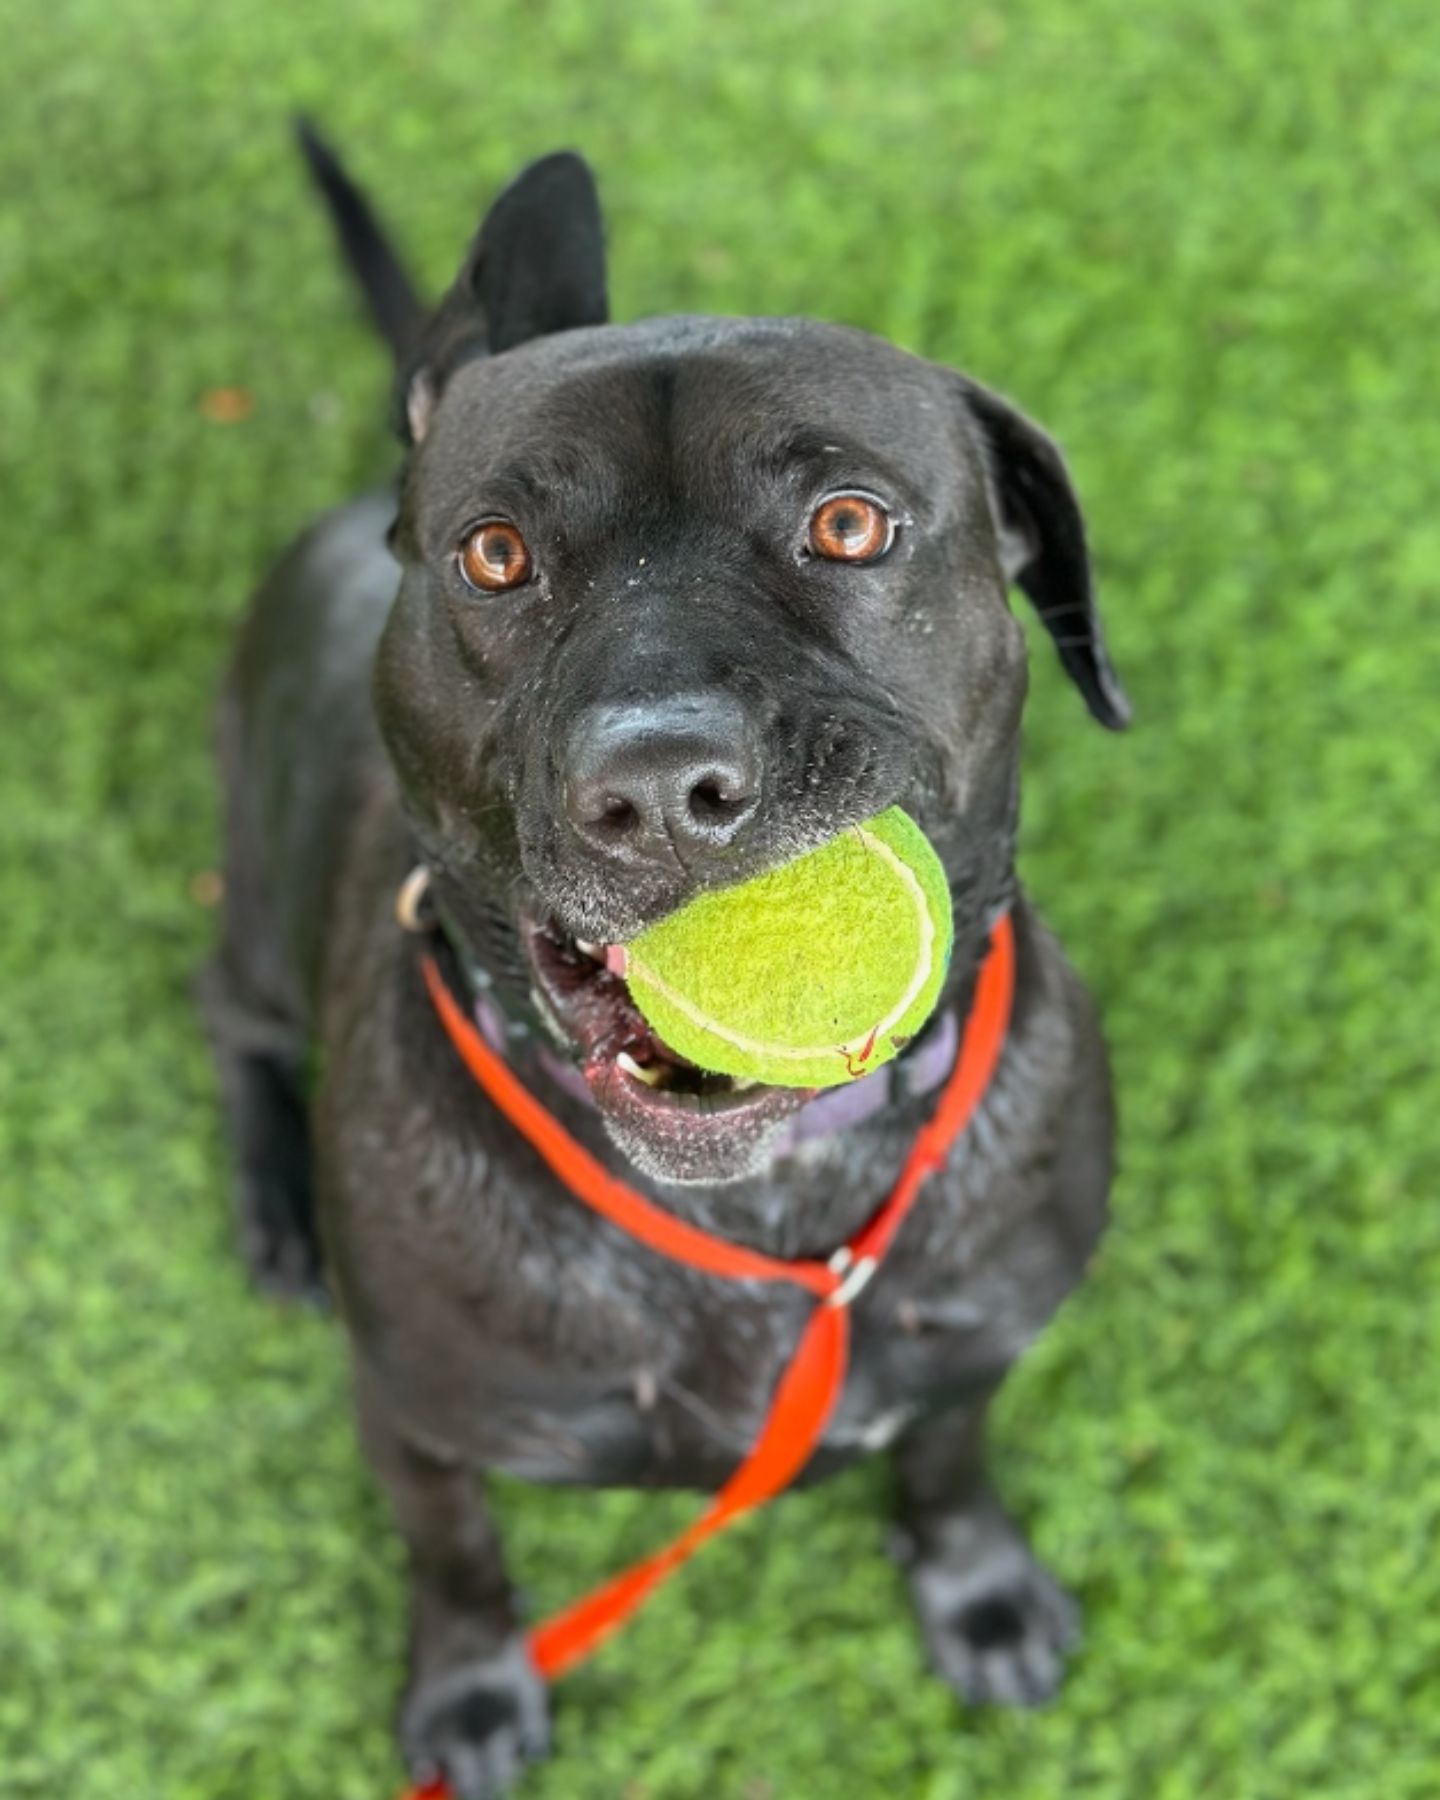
point(478, 1725)
point(283, 1259)
point(998, 1630)
point(278, 1241)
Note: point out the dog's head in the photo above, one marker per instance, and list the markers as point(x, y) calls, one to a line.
point(681, 600)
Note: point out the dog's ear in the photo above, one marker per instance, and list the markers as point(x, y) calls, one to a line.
point(537, 265)
point(1042, 545)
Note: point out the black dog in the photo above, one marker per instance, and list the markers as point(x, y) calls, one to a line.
point(657, 606)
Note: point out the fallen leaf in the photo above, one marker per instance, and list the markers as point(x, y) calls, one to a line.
point(227, 405)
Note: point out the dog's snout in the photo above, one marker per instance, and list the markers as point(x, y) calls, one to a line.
point(662, 781)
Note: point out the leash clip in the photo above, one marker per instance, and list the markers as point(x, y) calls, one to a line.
point(856, 1274)
point(410, 900)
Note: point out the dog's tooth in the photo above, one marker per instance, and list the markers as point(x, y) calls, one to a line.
point(596, 952)
point(741, 1082)
point(652, 1077)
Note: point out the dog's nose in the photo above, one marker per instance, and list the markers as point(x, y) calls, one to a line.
point(665, 781)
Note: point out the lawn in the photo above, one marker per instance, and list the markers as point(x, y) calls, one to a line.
point(1199, 239)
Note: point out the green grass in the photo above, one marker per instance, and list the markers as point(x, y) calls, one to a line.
point(1199, 238)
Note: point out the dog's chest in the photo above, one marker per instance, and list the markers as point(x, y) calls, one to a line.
point(692, 1379)
point(568, 1353)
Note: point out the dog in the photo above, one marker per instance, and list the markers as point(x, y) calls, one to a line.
point(650, 609)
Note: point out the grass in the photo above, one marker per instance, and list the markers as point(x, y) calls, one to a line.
point(1198, 238)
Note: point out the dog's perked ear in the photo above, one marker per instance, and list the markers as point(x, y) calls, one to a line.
point(1042, 545)
point(537, 265)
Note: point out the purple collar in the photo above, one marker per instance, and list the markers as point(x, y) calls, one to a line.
point(920, 1070)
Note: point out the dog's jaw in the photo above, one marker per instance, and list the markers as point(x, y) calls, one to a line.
point(673, 1122)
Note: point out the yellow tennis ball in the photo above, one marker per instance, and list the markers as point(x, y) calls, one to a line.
point(810, 976)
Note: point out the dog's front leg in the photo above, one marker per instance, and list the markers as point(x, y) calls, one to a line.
point(996, 1623)
point(475, 1710)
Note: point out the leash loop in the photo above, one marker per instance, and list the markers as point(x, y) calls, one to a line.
point(813, 1380)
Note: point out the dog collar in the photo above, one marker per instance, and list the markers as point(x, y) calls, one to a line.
point(812, 1381)
point(918, 1070)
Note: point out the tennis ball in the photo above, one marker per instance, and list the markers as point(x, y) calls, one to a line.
point(809, 976)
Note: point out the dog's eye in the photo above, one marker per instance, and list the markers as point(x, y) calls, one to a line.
point(493, 557)
point(851, 528)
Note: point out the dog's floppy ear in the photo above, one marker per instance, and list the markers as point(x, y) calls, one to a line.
point(537, 265)
point(1042, 545)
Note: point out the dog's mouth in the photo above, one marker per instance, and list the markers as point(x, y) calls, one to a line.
point(655, 1096)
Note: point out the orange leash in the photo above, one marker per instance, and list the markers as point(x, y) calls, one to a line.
point(813, 1380)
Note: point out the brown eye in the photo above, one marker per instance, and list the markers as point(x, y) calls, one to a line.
point(851, 528)
point(493, 557)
